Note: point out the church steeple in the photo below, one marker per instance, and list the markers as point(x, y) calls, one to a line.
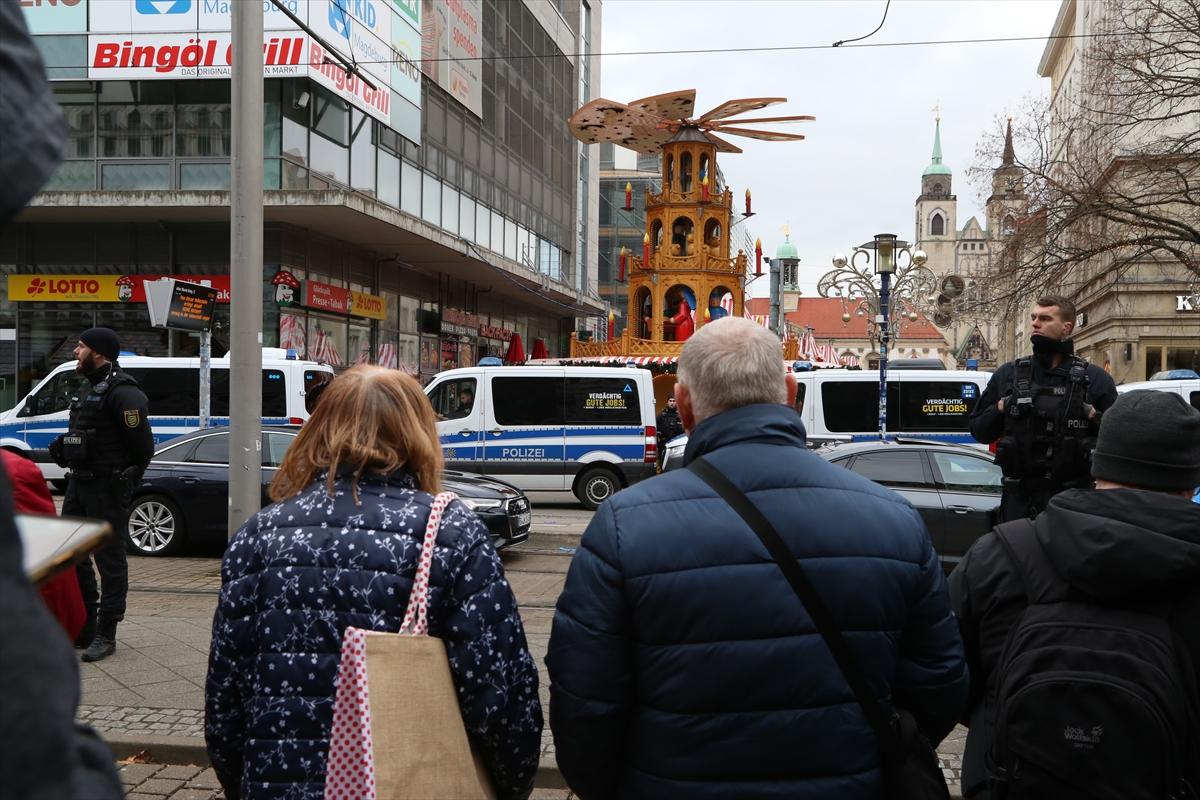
point(936, 167)
point(1009, 156)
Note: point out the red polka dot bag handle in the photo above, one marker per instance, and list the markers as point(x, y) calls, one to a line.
point(351, 772)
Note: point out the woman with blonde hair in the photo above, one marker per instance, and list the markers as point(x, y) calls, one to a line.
point(339, 548)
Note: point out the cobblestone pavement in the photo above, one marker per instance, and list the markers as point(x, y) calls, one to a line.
point(151, 781)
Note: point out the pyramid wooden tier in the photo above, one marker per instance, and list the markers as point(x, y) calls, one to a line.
point(686, 274)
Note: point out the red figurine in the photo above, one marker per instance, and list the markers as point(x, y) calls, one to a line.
point(757, 253)
point(628, 196)
point(684, 324)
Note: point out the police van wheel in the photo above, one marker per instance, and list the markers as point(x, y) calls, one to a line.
point(595, 486)
point(155, 527)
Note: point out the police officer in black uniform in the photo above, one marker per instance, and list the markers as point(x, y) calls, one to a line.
point(107, 447)
point(669, 426)
point(1043, 411)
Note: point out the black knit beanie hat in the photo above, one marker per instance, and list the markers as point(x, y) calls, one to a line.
point(1149, 439)
point(103, 340)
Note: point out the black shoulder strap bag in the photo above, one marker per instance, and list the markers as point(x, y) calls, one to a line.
point(909, 763)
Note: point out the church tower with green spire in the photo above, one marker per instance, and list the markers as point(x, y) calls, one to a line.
point(936, 223)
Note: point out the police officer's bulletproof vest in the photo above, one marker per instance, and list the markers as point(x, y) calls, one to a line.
point(103, 451)
point(1047, 441)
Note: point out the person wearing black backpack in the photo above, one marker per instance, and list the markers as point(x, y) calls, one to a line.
point(1082, 627)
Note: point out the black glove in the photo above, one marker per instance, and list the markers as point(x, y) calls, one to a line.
point(55, 447)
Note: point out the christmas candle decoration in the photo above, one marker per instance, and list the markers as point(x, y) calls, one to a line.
point(621, 265)
point(757, 253)
point(645, 251)
point(748, 202)
point(628, 196)
point(612, 325)
point(704, 189)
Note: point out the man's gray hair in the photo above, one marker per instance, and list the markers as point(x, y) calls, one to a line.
point(730, 363)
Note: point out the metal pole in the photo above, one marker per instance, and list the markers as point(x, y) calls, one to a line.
point(884, 336)
point(246, 266)
point(775, 299)
point(205, 378)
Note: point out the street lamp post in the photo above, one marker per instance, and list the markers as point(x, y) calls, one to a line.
point(850, 279)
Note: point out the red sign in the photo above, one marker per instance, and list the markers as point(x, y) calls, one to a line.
point(457, 316)
point(324, 297)
point(493, 332)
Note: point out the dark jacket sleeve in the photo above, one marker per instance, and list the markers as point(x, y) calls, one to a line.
point(591, 680)
point(1102, 391)
point(32, 128)
point(986, 422)
point(496, 676)
point(128, 405)
point(931, 678)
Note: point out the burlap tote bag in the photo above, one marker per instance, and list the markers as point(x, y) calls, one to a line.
point(397, 731)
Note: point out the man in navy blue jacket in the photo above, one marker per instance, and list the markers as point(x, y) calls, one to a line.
point(681, 662)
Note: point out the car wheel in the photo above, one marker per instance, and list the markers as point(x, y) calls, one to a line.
point(595, 486)
point(155, 526)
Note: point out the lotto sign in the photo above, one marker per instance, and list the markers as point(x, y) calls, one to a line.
point(96, 288)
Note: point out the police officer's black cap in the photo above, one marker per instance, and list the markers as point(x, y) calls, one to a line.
point(103, 340)
point(1151, 440)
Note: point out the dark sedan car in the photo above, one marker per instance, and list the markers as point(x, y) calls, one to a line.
point(955, 488)
point(184, 495)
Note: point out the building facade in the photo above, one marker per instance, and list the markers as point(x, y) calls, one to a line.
point(418, 222)
point(1144, 316)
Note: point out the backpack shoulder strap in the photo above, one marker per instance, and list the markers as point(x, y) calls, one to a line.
point(1019, 540)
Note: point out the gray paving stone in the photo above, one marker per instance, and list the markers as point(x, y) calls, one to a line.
point(205, 780)
point(136, 773)
point(158, 786)
point(179, 773)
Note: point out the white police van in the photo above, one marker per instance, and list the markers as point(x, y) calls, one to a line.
point(587, 430)
point(172, 386)
point(842, 405)
point(1188, 389)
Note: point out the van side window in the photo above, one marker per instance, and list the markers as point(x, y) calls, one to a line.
point(528, 401)
point(453, 399)
point(853, 406)
point(274, 393)
point(56, 395)
point(171, 392)
point(801, 388)
point(932, 406)
point(1196, 400)
point(603, 401)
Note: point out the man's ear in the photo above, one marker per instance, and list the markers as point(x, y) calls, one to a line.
point(683, 402)
point(790, 381)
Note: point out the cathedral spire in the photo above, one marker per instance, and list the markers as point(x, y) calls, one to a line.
point(1009, 155)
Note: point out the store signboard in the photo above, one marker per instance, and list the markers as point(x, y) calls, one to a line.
point(97, 288)
point(214, 15)
point(55, 16)
point(410, 11)
point(174, 39)
point(358, 30)
point(368, 305)
point(188, 55)
point(406, 59)
point(181, 305)
point(451, 44)
point(143, 16)
point(324, 297)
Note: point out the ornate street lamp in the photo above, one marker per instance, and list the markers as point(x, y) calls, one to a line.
point(851, 279)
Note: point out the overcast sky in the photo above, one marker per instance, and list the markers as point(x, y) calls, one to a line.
point(858, 172)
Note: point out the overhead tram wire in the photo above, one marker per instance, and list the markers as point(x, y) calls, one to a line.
point(719, 50)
